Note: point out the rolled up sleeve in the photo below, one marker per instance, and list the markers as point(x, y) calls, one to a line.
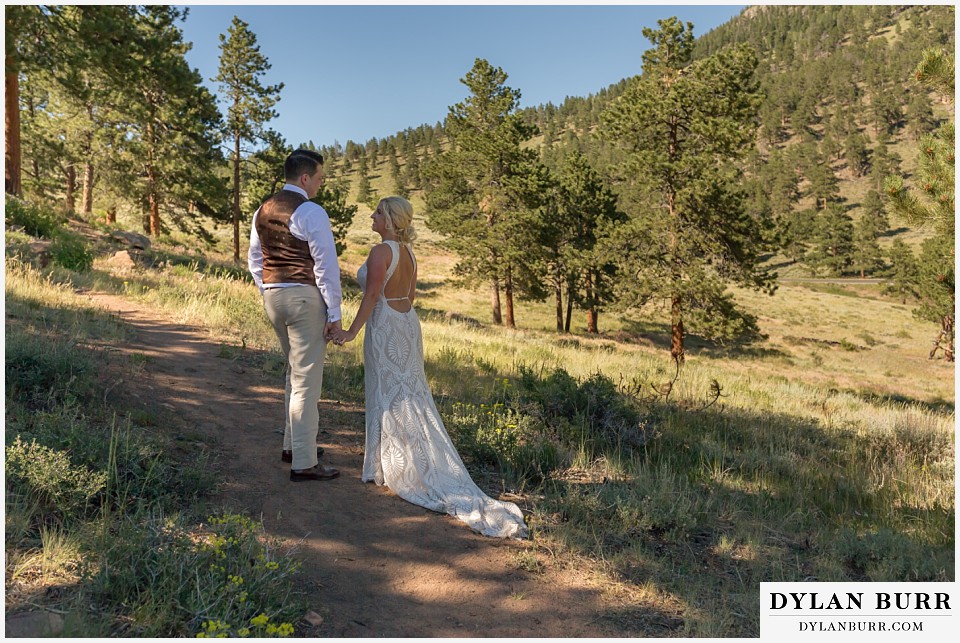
point(255, 254)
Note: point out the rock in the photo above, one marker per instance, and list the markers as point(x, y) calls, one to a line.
point(132, 239)
point(122, 261)
point(33, 624)
point(313, 619)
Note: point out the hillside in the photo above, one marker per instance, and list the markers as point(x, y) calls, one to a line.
point(826, 71)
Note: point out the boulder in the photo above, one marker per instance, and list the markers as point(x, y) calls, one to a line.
point(132, 239)
point(33, 624)
point(122, 261)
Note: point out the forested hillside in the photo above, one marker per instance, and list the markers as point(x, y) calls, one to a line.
point(840, 110)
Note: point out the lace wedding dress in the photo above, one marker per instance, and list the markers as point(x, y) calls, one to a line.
point(407, 446)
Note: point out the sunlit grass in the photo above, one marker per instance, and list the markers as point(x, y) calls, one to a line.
point(828, 456)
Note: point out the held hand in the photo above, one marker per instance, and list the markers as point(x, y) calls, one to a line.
point(341, 337)
point(330, 328)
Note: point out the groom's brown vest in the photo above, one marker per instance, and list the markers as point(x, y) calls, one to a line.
point(286, 259)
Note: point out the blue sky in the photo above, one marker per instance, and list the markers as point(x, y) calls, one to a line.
point(357, 72)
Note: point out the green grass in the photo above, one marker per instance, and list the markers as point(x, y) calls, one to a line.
point(828, 455)
point(105, 516)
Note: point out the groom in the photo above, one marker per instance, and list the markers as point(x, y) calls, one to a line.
point(293, 260)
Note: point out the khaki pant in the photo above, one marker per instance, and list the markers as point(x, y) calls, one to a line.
point(298, 315)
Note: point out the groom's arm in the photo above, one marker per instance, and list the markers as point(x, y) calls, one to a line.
point(311, 223)
point(255, 254)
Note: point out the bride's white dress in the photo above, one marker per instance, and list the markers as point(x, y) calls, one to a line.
point(407, 446)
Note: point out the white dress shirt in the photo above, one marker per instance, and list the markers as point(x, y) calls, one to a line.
point(309, 223)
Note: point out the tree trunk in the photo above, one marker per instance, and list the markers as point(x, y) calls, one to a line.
point(592, 314)
point(676, 312)
point(70, 188)
point(508, 292)
point(11, 181)
point(592, 318)
point(87, 187)
point(559, 293)
point(676, 335)
point(236, 198)
point(145, 211)
point(566, 325)
point(154, 214)
point(495, 302)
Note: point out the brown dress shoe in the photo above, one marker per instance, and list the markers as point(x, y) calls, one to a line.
point(318, 472)
point(287, 456)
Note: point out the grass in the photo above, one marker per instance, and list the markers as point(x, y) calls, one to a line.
point(106, 517)
point(829, 455)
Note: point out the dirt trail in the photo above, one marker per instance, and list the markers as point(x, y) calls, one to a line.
point(374, 565)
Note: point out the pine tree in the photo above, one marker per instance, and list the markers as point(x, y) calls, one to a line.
point(173, 123)
point(920, 112)
point(855, 152)
point(475, 190)
point(831, 250)
point(866, 256)
point(823, 186)
point(250, 103)
point(936, 290)
point(932, 202)
point(589, 214)
point(903, 273)
point(26, 46)
point(332, 197)
point(685, 125)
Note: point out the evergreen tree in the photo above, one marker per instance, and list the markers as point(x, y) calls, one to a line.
point(263, 172)
point(177, 123)
point(903, 273)
point(475, 189)
point(920, 115)
point(824, 186)
point(855, 152)
point(27, 45)
point(332, 197)
point(873, 208)
point(685, 124)
point(250, 103)
point(832, 242)
point(866, 256)
point(933, 202)
point(936, 290)
point(589, 214)
point(795, 232)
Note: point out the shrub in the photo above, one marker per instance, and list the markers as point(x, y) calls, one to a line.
point(223, 579)
point(68, 250)
point(514, 442)
point(592, 411)
point(47, 475)
point(44, 374)
point(35, 220)
point(883, 555)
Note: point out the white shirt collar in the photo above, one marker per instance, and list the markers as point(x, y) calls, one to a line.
point(297, 189)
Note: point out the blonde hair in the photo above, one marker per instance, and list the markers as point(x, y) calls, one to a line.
point(399, 214)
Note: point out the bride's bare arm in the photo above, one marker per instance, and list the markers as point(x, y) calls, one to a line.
point(376, 274)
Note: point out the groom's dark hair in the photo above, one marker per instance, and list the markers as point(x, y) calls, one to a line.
point(300, 162)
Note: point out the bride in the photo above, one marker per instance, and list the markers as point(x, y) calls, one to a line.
point(407, 446)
